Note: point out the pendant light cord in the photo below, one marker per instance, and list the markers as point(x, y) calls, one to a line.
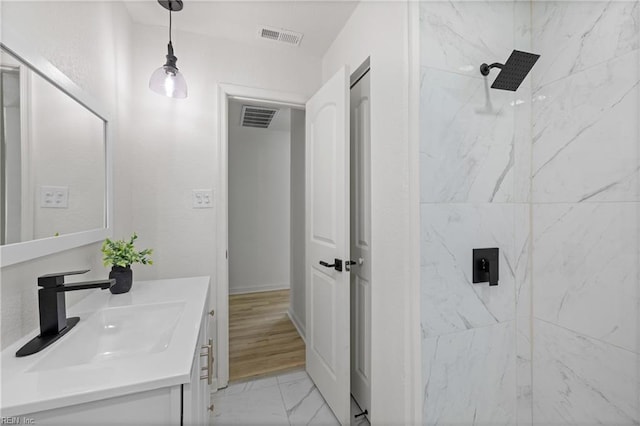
point(169, 25)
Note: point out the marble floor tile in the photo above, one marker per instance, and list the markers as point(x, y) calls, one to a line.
point(305, 405)
point(249, 385)
point(254, 407)
point(291, 376)
point(288, 399)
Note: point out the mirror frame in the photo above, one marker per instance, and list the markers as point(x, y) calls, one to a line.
point(11, 254)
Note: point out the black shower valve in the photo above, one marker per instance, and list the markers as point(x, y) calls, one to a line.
point(486, 266)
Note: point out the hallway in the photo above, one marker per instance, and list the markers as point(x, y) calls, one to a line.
point(262, 339)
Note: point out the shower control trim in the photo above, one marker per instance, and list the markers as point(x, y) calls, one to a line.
point(486, 266)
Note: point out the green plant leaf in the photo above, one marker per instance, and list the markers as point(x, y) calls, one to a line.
point(123, 253)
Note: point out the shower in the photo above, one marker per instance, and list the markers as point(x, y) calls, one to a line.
point(513, 71)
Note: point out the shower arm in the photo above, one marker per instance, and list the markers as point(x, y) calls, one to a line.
point(484, 68)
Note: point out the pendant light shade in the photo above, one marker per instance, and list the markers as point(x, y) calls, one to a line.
point(168, 80)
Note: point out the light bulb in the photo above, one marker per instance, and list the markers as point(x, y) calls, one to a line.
point(168, 81)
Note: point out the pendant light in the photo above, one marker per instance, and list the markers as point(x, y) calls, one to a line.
point(167, 80)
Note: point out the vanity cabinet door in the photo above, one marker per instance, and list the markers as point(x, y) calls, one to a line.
point(155, 407)
point(196, 394)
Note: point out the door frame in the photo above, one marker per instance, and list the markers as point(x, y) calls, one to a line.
point(226, 92)
point(408, 369)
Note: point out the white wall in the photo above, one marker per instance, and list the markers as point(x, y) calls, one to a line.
point(175, 149)
point(297, 305)
point(90, 43)
point(259, 205)
point(176, 141)
point(395, 290)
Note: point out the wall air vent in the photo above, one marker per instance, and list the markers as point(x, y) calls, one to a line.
point(255, 116)
point(280, 35)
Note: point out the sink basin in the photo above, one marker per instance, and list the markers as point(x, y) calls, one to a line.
point(123, 345)
point(114, 333)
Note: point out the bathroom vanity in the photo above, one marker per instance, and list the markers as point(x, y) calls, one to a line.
point(143, 357)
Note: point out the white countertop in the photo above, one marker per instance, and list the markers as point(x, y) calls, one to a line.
point(25, 391)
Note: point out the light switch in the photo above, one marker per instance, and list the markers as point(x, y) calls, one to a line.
point(202, 199)
point(54, 197)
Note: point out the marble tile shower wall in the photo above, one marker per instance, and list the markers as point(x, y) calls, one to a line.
point(550, 174)
point(475, 186)
point(585, 216)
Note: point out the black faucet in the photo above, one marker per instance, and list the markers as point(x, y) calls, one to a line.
point(53, 312)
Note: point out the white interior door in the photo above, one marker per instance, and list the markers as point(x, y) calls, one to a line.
point(361, 243)
point(327, 241)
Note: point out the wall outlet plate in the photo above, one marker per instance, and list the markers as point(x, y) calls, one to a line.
point(54, 197)
point(202, 199)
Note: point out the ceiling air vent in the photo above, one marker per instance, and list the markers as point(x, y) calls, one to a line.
point(254, 116)
point(281, 35)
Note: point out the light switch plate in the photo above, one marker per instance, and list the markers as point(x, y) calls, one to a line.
point(54, 197)
point(202, 198)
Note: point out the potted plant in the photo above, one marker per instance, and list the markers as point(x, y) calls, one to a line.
point(120, 255)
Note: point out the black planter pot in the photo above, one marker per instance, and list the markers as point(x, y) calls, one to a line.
point(123, 277)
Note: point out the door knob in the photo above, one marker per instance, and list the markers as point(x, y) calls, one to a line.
point(337, 264)
point(349, 263)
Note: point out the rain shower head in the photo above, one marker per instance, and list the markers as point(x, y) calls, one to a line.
point(513, 71)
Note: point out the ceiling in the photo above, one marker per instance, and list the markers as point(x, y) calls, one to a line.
point(320, 21)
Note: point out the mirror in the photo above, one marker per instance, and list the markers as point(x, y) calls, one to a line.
point(53, 160)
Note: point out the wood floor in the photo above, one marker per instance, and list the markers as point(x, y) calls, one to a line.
point(262, 339)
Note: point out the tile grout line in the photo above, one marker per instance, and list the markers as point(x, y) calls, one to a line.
point(284, 405)
point(584, 335)
point(512, 320)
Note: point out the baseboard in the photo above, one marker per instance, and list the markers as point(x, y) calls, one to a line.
point(297, 324)
point(259, 289)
